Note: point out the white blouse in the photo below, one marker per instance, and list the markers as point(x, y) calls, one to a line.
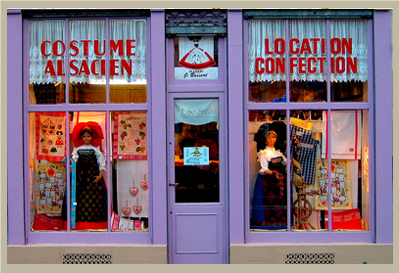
point(266, 155)
point(97, 152)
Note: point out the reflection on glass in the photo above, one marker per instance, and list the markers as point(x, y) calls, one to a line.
point(268, 187)
point(273, 91)
point(48, 93)
point(47, 171)
point(308, 91)
point(197, 151)
point(349, 181)
point(128, 93)
point(349, 91)
point(87, 93)
point(130, 183)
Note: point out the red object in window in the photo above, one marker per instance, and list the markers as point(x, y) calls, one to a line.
point(348, 219)
point(97, 134)
point(44, 222)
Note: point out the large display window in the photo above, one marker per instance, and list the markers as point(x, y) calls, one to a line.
point(309, 129)
point(88, 126)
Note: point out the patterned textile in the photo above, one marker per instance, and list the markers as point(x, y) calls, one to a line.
point(307, 152)
point(91, 197)
point(269, 203)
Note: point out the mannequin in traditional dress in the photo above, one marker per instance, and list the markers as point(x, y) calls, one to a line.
point(91, 191)
point(269, 204)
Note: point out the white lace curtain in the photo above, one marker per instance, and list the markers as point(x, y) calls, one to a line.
point(40, 31)
point(262, 29)
point(94, 30)
point(130, 30)
point(196, 112)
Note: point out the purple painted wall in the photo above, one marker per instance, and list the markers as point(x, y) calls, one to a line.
point(383, 123)
point(157, 108)
point(158, 121)
point(15, 187)
point(236, 127)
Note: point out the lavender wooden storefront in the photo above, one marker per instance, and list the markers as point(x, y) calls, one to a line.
point(211, 80)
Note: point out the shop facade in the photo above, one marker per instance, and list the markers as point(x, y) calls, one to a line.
point(199, 136)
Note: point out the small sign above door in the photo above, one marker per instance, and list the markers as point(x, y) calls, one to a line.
point(196, 59)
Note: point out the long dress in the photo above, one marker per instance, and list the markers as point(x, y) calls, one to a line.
point(269, 203)
point(91, 198)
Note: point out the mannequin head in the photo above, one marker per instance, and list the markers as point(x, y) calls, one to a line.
point(271, 138)
point(86, 134)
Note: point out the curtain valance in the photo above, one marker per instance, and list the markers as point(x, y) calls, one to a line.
point(196, 112)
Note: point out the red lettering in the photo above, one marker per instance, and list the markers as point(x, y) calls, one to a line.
point(292, 41)
point(321, 60)
point(311, 69)
point(280, 65)
point(84, 68)
point(267, 50)
point(351, 65)
point(102, 67)
point(279, 46)
point(302, 65)
point(305, 47)
point(129, 47)
point(43, 48)
point(332, 65)
point(50, 68)
point(60, 70)
point(93, 67)
point(347, 45)
point(259, 69)
point(315, 40)
point(340, 65)
point(55, 48)
point(85, 47)
point(113, 67)
point(74, 48)
point(117, 47)
point(74, 67)
point(335, 46)
point(269, 65)
point(293, 64)
point(97, 48)
point(126, 66)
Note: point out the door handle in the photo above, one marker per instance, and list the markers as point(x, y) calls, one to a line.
point(174, 184)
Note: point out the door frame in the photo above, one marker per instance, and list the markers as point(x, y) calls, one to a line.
point(222, 206)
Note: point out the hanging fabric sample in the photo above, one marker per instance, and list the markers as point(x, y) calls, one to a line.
point(51, 184)
point(345, 135)
point(307, 154)
point(341, 188)
point(50, 136)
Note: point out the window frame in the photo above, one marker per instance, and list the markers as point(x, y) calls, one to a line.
point(67, 107)
point(310, 236)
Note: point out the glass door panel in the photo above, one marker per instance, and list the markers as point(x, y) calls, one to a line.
point(197, 151)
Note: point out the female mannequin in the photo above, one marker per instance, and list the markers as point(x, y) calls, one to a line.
point(91, 191)
point(269, 203)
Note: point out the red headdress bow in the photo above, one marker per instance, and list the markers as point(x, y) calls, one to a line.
point(97, 133)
